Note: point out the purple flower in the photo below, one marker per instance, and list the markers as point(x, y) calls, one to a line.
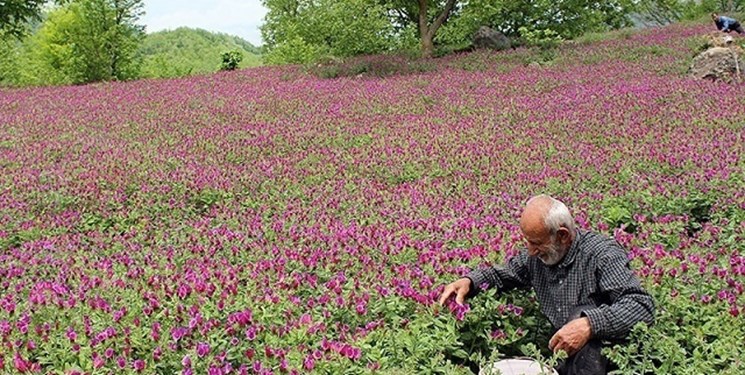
point(178, 333)
point(121, 362)
point(309, 363)
point(203, 349)
point(71, 334)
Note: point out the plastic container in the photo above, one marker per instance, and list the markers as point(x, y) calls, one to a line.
point(517, 366)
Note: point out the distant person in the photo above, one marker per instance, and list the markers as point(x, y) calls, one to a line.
point(726, 24)
point(582, 280)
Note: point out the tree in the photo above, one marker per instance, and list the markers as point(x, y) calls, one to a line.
point(94, 40)
point(568, 18)
point(300, 31)
point(15, 14)
point(427, 15)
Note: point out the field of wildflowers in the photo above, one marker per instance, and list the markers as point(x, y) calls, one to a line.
point(266, 221)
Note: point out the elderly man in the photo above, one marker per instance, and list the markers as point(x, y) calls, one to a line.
point(726, 24)
point(582, 279)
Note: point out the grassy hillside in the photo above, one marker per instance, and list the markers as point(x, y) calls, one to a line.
point(184, 51)
point(268, 221)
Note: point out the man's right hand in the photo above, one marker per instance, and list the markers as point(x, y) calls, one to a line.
point(460, 288)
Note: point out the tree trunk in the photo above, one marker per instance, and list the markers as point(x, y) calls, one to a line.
point(428, 46)
point(426, 31)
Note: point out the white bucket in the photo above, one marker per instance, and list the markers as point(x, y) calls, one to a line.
point(517, 367)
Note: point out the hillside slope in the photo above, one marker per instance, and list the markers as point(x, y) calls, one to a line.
point(268, 221)
point(184, 51)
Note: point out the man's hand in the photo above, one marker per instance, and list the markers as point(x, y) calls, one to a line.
point(572, 336)
point(460, 288)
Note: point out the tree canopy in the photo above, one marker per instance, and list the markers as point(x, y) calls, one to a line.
point(16, 14)
point(298, 31)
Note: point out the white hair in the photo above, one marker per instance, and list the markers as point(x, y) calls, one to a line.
point(557, 216)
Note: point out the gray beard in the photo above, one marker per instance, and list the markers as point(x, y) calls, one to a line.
point(553, 255)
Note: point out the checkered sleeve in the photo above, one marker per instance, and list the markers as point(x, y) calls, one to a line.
point(629, 303)
point(514, 274)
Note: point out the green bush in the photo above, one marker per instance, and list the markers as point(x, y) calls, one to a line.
point(231, 59)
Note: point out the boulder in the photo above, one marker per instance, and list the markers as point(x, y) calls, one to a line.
point(486, 37)
point(717, 39)
point(719, 64)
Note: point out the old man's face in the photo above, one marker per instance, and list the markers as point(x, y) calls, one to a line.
point(544, 246)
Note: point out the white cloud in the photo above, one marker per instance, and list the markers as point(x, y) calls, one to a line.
point(235, 17)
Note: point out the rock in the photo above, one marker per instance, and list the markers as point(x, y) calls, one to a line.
point(487, 37)
point(717, 39)
point(718, 64)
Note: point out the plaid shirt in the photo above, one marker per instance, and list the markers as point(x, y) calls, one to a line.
point(595, 271)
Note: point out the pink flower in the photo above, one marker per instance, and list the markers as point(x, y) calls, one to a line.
point(121, 362)
point(309, 363)
point(98, 361)
point(498, 334)
point(734, 311)
point(251, 333)
point(203, 349)
point(178, 333)
point(71, 334)
point(21, 364)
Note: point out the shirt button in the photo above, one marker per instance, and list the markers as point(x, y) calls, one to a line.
point(561, 281)
point(558, 309)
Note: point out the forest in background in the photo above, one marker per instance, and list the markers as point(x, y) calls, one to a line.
point(303, 31)
point(82, 41)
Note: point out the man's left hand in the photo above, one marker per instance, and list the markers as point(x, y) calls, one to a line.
point(572, 336)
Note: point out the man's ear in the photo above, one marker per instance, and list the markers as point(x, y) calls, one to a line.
point(563, 235)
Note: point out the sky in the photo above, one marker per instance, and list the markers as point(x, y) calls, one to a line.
point(235, 17)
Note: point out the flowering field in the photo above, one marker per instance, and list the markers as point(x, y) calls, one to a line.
point(268, 221)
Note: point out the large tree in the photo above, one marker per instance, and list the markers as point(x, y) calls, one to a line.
point(427, 15)
point(299, 31)
point(93, 40)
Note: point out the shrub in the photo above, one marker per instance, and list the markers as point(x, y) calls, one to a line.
point(231, 59)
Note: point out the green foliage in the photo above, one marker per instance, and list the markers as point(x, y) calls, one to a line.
point(358, 27)
point(8, 56)
point(86, 41)
point(567, 18)
point(617, 213)
point(543, 39)
point(15, 15)
point(293, 51)
point(305, 31)
point(688, 339)
point(661, 12)
point(185, 51)
point(231, 59)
